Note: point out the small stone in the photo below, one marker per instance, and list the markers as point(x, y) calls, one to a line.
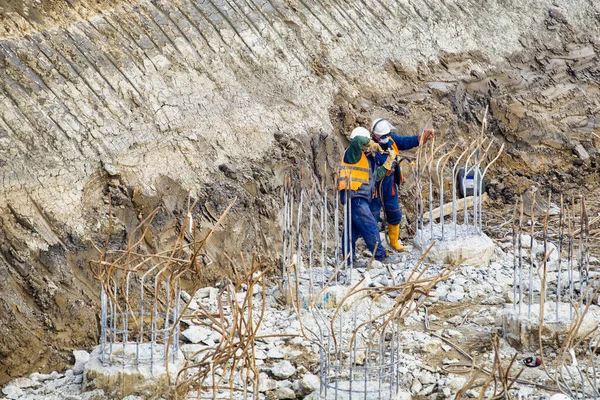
point(260, 354)
point(285, 393)
point(202, 293)
point(81, 358)
point(275, 353)
point(401, 395)
point(309, 383)
point(581, 152)
point(446, 392)
point(447, 361)
point(416, 386)
point(266, 383)
point(427, 378)
point(97, 394)
point(283, 369)
point(185, 296)
point(12, 391)
point(456, 320)
point(493, 300)
point(457, 383)
point(427, 391)
point(446, 347)
point(24, 383)
point(196, 334)
point(454, 297)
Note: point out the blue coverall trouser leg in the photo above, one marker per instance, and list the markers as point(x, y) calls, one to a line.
point(363, 224)
point(386, 188)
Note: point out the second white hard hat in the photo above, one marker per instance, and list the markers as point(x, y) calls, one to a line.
point(360, 131)
point(381, 127)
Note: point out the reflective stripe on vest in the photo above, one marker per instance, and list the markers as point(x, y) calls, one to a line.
point(355, 174)
point(394, 146)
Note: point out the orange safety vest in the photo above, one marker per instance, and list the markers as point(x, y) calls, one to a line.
point(355, 174)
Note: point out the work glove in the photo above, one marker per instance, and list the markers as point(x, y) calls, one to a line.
point(425, 136)
point(389, 163)
point(373, 147)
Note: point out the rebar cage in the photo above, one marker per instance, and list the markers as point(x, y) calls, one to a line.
point(359, 355)
point(138, 315)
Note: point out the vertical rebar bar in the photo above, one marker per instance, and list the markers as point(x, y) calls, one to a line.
point(454, 189)
point(531, 255)
point(482, 180)
point(336, 222)
point(103, 322)
point(514, 251)
point(560, 244)
point(284, 230)
point(570, 217)
point(520, 255)
point(311, 240)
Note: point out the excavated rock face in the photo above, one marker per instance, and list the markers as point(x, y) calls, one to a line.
point(144, 101)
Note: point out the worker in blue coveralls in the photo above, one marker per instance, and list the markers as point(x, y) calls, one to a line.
point(386, 190)
point(358, 175)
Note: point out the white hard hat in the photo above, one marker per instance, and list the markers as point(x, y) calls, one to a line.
point(381, 127)
point(360, 131)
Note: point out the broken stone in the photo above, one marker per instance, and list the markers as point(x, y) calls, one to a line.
point(81, 358)
point(447, 361)
point(97, 394)
point(266, 383)
point(522, 332)
point(476, 249)
point(283, 369)
point(494, 299)
point(416, 386)
point(427, 391)
point(285, 393)
point(457, 383)
point(581, 152)
point(309, 383)
point(196, 334)
point(25, 383)
point(260, 354)
point(12, 391)
point(123, 380)
point(455, 297)
point(275, 353)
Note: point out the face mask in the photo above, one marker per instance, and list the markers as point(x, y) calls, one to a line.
point(384, 141)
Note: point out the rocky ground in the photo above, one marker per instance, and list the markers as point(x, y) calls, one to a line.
point(455, 326)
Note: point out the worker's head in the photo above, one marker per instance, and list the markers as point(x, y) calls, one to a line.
point(381, 130)
point(360, 131)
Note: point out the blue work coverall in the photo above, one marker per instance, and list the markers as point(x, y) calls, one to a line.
point(361, 221)
point(387, 186)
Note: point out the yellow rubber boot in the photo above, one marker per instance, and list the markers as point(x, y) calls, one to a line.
point(394, 232)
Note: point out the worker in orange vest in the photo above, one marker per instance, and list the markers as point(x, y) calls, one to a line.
point(358, 175)
point(386, 189)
